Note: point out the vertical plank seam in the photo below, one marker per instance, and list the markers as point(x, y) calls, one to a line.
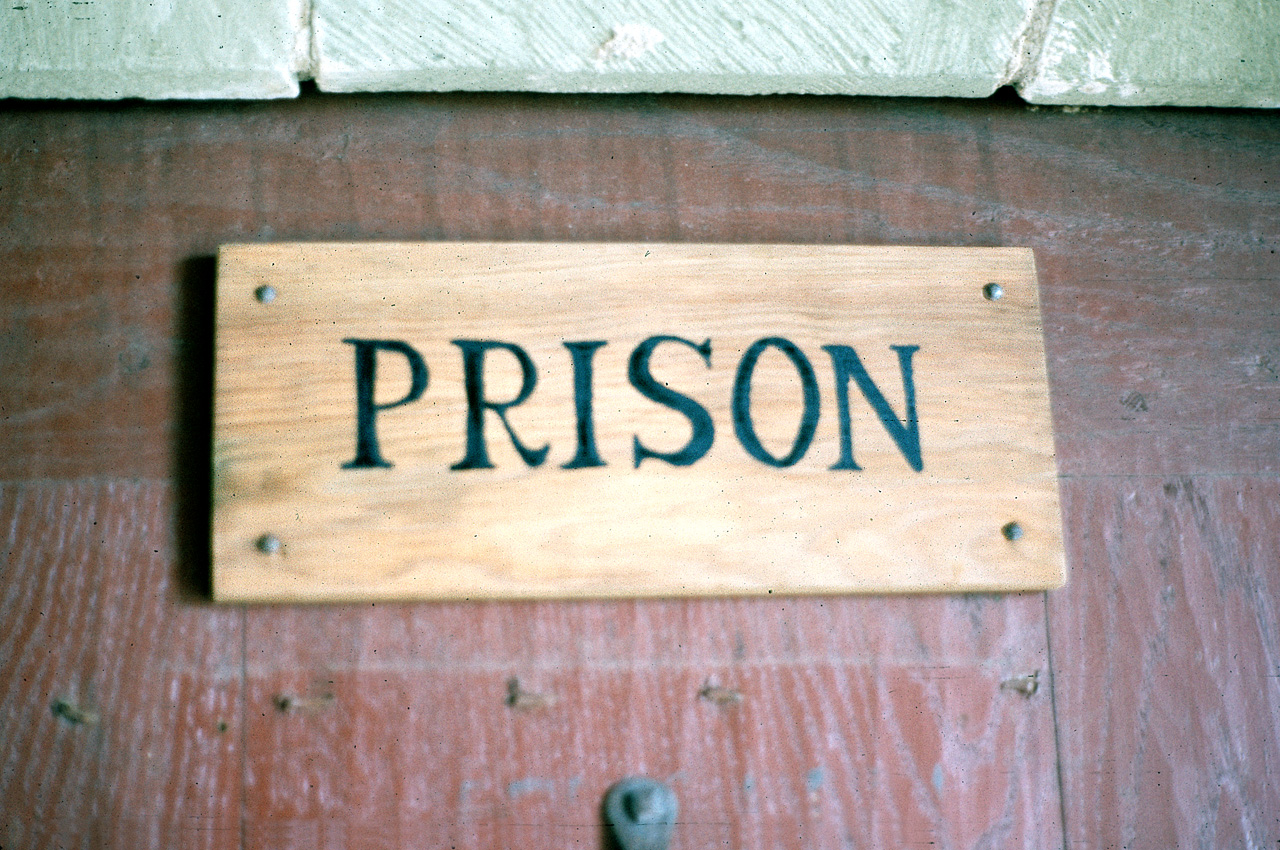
point(244, 725)
point(1057, 736)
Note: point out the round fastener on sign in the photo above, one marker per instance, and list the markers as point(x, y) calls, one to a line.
point(993, 292)
point(1012, 531)
point(269, 544)
point(265, 294)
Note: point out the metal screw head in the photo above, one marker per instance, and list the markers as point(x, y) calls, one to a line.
point(269, 544)
point(265, 294)
point(993, 292)
point(642, 813)
point(1011, 531)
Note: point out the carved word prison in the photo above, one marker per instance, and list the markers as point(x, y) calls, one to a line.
point(904, 431)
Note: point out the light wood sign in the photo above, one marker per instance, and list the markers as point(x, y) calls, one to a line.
point(476, 420)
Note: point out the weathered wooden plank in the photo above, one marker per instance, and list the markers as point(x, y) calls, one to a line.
point(927, 631)
point(1165, 657)
point(404, 492)
point(836, 719)
point(120, 707)
point(1187, 403)
point(805, 752)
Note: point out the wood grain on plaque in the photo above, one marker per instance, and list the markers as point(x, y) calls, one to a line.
point(896, 469)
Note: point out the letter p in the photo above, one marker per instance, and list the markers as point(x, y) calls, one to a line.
point(367, 453)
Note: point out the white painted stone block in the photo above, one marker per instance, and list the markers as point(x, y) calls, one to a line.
point(878, 47)
point(149, 48)
point(1147, 52)
point(1126, 52)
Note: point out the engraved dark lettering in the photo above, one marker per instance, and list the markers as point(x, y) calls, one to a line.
point(742, 424)
point(586, 454)
point(642, 379)
point(473, 352)
point(907, 437)
point(848, 367)
point(368, 454)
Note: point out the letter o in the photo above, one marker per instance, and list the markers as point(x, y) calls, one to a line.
point(742, 424)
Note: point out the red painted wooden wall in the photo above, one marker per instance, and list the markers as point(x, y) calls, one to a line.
point(135, 714)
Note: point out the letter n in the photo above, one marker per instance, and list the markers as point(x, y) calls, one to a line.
point(907, 437)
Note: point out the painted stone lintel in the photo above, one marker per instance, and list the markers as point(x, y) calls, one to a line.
point(130, 48)
point(1069, 52)
point(1174, 52)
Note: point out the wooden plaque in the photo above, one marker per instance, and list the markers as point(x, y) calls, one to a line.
point(483, 420)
